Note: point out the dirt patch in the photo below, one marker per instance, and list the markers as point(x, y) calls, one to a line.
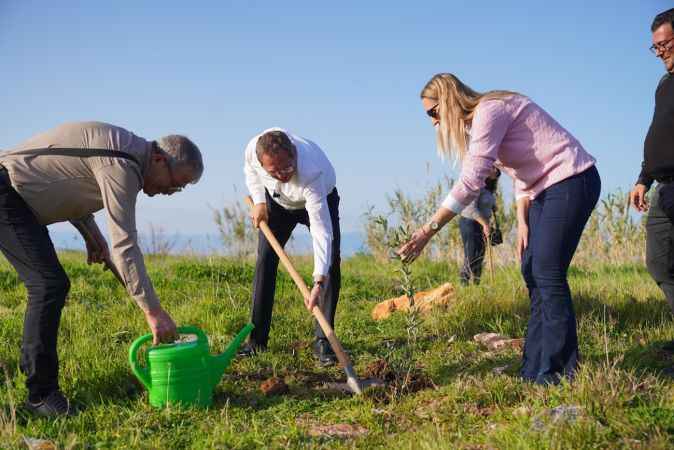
point(274, 386)
point(380, 369)
point(399, 381)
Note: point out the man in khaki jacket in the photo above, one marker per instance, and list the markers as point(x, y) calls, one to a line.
point(66, 174)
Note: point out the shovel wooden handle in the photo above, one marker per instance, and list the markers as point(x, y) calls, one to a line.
point(343, 358)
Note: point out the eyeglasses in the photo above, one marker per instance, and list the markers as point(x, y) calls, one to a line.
point(284, 171)
point(660, 46)
point(433, 112)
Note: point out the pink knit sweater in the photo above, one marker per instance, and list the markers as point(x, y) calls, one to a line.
point(519, 137)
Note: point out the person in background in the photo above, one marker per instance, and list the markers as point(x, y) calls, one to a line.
point(658, 165)
point(66, 174)
point(291, 181)
point(474, 228)
point(556, 187)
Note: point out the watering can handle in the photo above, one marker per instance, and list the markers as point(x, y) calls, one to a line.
point(142, 372)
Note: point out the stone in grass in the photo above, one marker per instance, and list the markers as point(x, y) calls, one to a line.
point(558, 415)
point(274, 386)
point(38, 444)
point(495, 341)
point(337, 430)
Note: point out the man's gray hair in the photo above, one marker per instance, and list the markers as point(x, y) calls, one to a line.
point(183, 152)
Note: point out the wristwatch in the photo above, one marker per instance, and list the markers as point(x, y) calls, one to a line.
point(434, 226)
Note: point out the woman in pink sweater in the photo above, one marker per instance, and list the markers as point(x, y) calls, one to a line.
point(556, 187)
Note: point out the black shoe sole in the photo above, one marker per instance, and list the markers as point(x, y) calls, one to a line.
point(37, 411)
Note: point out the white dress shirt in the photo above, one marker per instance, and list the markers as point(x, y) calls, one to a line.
point(308, 188)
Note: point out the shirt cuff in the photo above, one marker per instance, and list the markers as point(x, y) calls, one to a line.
point(258, 197)
point(320, 272)
point(452, 204)
point(645, 181)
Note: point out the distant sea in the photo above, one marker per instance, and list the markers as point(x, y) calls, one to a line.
point(210, 244)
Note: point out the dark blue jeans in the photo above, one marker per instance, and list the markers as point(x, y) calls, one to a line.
point(473, 250)
point(557, 218)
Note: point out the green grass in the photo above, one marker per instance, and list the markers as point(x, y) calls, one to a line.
point(625, 399)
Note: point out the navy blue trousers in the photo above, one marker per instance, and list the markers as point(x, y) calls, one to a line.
point(473, 250)
point(557, 218)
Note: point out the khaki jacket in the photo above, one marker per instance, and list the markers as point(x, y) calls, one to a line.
point(59, 188)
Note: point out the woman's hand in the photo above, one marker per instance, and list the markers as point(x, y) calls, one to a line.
point(522, 239)
point(522, 225)
point(409, 251)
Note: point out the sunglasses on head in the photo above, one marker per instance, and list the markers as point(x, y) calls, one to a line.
point(433, 112)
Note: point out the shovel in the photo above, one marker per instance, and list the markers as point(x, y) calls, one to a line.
point(352, 382)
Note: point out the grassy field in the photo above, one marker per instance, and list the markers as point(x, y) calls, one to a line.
point(444, 391)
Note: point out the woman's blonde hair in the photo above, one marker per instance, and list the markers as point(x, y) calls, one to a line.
point(456, 107)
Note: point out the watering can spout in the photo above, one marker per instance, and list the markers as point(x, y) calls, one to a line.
point(221, 362)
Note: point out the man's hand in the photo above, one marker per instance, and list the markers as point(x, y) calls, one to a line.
point(638, 198)
point(162, 326)
point(97, 252)
point(313, 298)
point(258, 214)
point(97, 247)
point(485, 228)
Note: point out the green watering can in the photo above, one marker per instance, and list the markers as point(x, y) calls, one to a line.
point(183, 373)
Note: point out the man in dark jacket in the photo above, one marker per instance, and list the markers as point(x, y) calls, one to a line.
point(658, 165)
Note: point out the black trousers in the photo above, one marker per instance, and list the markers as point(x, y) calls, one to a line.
point(473, 250)
point(660, 245)
point(282, 222)
point(27, 246)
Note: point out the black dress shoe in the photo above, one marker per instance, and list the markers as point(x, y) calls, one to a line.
point(53, 405)
point(323, 353)
point(249, 350)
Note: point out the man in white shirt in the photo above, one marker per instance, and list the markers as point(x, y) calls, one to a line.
point(291, 181)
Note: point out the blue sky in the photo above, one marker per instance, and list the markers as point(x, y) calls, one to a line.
point(346, 75)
